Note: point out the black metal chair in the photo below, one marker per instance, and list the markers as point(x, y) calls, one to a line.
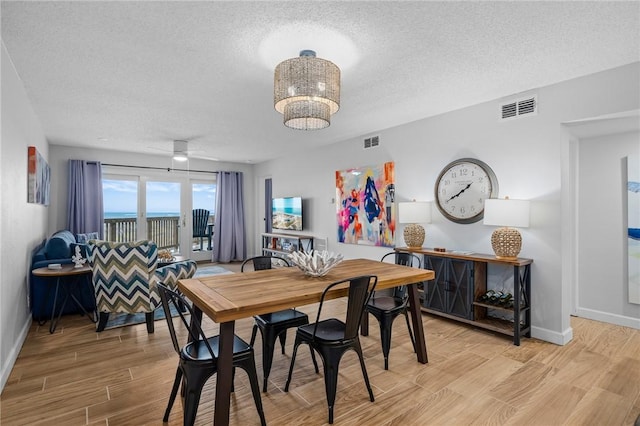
point(388, 305)
point(331, 338)
point(198, 359)
point(200, 225)
point(272, 326)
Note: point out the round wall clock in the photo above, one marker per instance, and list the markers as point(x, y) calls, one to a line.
point(462, 187)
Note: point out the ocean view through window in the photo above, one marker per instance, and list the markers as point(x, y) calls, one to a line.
point(164, 205)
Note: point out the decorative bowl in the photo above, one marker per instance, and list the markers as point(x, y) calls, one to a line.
point(317, 263)
point(165, 256)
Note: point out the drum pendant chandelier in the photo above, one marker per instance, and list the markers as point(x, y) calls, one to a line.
point(306, 90)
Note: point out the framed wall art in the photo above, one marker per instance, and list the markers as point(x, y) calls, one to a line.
point(39, 178)
point(365, 205)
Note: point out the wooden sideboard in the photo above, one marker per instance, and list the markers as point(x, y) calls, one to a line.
point(461, 278)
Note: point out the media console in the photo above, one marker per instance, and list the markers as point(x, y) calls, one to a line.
point(281, 244)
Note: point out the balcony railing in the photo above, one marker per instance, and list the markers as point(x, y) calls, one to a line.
point(161, 230)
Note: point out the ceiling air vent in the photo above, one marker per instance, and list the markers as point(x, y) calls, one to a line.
point(519, 107)
point(371, 142)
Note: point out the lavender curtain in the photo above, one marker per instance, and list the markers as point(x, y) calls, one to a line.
point(85, 197)
point(229, 238)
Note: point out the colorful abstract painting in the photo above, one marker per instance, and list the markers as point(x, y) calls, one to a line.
point(39, 178)
point(365, 205)
point(633, 224)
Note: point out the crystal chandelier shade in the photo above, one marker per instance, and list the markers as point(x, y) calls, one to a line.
point(306, 90)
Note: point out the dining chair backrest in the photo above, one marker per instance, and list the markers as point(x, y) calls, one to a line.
point(360, 290)
point(200, 222)
point(170, 297)
point(265, 262)
point(406, 259)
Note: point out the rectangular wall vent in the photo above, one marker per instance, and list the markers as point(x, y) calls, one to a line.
point(371, 142)
point(519, 107)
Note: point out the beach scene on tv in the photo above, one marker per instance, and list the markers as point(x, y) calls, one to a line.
point(287, 213)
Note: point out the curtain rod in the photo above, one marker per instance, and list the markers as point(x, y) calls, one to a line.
point(168, 169)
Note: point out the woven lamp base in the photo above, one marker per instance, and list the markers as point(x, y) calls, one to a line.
point(414, 235)
point(506, 243)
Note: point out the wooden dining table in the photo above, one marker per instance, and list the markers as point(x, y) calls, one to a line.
point(226, 298)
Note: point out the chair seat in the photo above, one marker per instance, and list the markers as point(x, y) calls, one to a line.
point(385, 303)
point(288, 318)
point(331, 331)
point(195, 351)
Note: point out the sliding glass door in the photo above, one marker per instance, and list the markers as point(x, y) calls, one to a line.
point(177, 213)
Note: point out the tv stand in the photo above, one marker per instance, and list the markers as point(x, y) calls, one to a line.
point(281, 244)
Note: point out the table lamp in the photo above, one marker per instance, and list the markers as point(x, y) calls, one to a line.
point(506, 241)
point(413, 213)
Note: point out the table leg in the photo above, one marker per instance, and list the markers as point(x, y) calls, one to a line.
point(516, 305)
point(54, 320)
point(75, 286)
point(416, 322)
point(225, 374)
point(364, 323)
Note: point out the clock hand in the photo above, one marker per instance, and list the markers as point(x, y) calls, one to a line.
point(458, 194)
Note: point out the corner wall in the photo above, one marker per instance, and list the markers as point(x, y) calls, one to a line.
point(22, 225)
point(526, 155)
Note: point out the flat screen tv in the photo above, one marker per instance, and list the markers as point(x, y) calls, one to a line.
point(287, 213)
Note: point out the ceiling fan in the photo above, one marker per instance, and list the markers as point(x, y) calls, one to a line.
point(181, 151)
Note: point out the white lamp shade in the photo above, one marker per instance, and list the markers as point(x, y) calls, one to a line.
point(414, 212)
point(507, 212)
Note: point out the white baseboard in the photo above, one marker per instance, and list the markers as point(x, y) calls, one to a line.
point(608, 318)
point(552, 336)
point(13, 354)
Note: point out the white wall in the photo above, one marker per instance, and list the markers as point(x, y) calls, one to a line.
point(59, 177)
point(602, 291)
point(22, 225)
point(526, 155)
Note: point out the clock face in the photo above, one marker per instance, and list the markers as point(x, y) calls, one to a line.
point(462, 187)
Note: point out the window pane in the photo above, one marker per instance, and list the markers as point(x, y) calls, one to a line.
point(120, 200)
point(204, 196)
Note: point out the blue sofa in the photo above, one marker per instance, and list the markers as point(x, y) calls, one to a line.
point(58, 249)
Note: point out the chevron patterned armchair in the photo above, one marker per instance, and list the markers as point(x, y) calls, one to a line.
point(125, 278)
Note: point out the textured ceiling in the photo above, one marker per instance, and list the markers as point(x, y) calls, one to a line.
point(133, 76)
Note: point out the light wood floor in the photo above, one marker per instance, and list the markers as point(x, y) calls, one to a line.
point(123, 377)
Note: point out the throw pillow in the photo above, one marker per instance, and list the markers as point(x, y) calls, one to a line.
point(84, 238)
